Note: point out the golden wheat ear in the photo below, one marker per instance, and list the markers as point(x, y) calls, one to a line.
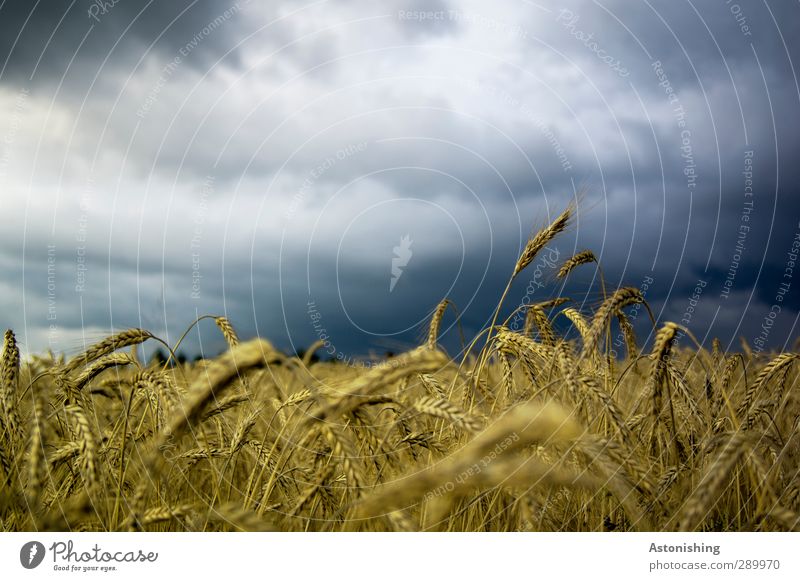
point(584, 257)
point(9, 378)
point(535, 244)
point(436, 322)
point(227, 331)
point(538, 241)
point(621, 298)
point(107, 346)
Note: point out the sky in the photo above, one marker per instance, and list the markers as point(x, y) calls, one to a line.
point(334, 169)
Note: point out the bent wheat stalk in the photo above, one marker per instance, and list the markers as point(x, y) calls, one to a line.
point(620, 299)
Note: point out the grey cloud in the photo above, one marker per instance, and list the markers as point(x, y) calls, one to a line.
point(471, 96)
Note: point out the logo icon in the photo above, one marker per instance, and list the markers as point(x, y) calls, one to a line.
point(402, 255)
point(31, 554)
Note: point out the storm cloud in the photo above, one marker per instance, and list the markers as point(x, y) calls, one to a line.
point(336, 168)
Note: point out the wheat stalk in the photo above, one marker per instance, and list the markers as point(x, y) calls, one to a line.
point(537, 315)
point(780, 362)
point(474, 464)
point(96, 368)
point(702, 499)
point(88, 446)
point(37, 465)
point(620, 299)
point(629, 335)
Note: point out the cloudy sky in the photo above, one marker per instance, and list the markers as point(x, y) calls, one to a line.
point(335, 168)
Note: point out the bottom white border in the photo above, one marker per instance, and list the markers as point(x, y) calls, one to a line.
point(378, 556)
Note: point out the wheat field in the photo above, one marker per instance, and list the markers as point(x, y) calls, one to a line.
point(527, 431)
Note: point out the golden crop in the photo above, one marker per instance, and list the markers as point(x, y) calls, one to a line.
point(528, 431)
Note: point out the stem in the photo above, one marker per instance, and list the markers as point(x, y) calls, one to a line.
point(484, 353)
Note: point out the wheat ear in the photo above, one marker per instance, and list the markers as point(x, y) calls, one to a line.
point(584, 257)
point(436, 322)
point(619, 300)
point(538, 241)
point(106, 346)
point(227, 331)
point(9, 377)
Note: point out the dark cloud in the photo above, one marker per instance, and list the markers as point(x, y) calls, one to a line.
point(46, 42)
point(334, 130)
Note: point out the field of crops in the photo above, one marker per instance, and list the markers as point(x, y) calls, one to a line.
point(527, 431)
